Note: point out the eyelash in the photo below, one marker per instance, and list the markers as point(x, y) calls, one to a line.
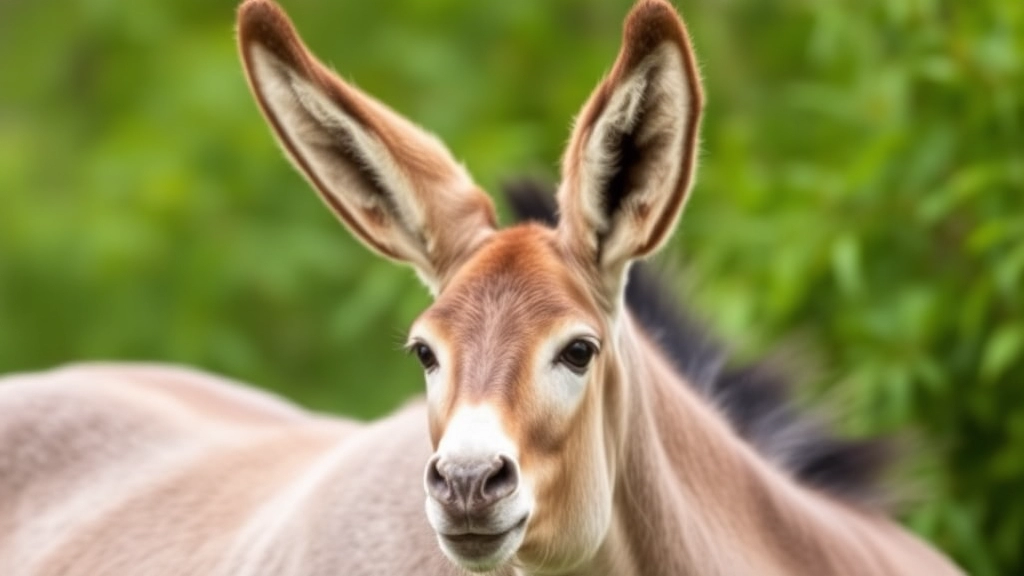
point(426, 356)
point(570, 355)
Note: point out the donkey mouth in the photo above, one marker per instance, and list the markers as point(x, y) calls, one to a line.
point(470, 535)
point(483, 551)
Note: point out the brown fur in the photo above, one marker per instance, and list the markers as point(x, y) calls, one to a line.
point(122, 469)
point(427, 166)
point(651, 24)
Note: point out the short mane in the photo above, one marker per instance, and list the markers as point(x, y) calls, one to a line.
point(756, 398)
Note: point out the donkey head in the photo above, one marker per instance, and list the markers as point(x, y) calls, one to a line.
point(526, 372)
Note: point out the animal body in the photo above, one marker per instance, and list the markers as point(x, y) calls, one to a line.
point(557, 436)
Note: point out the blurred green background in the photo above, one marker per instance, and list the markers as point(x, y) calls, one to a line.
point(861, 200)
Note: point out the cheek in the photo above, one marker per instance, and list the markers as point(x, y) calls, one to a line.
point(550, 411)
point(566, 390)
point(565, 438)
point(573, 499)
point(438, 390)
point(558, 391)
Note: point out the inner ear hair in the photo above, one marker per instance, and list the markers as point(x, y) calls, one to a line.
point(329, 132)
point(327, 139)
point(634, 156)
point(630, 162)
point(639, 135)
point(394, 185)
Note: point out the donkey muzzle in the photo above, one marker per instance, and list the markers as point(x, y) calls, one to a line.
point(471, 487)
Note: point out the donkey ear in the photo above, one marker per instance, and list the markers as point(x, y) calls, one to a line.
point(393, 185)
point(631, 158)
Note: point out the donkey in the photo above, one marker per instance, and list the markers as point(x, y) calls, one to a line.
point(557, 435)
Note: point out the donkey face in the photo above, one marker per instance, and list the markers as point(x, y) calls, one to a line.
point(526, 385)
point(513, 352)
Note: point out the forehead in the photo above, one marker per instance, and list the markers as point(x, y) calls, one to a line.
point(519, 281)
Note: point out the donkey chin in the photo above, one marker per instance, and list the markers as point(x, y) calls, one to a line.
point(479, 509)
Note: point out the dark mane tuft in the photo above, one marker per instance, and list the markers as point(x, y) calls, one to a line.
point(755, 398)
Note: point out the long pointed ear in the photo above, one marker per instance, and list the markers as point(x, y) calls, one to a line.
point(631, 159)
point(393, 185)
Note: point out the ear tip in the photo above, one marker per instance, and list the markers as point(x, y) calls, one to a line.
point(263, 22)
point(652, 10)
point(651, 23)
point(255, 12)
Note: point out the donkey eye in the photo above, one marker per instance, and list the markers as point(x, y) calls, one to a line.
point(425, 355)
point(577, 355)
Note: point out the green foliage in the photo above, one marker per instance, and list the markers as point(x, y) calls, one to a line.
point(860, 194)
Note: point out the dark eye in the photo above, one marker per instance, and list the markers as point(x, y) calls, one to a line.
point(425, 355)
point(577, 355)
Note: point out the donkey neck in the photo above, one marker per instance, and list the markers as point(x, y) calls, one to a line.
point(682, 469)
point(692, 497)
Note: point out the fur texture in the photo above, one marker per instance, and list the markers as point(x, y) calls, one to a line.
point(550, 459)
point(756, 398)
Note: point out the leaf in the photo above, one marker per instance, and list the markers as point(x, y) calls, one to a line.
point(1001, 351)
point(846, 265)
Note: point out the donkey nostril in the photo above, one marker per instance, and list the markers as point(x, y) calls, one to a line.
point(471, 485)
point(437, 484)
point(502, 480)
